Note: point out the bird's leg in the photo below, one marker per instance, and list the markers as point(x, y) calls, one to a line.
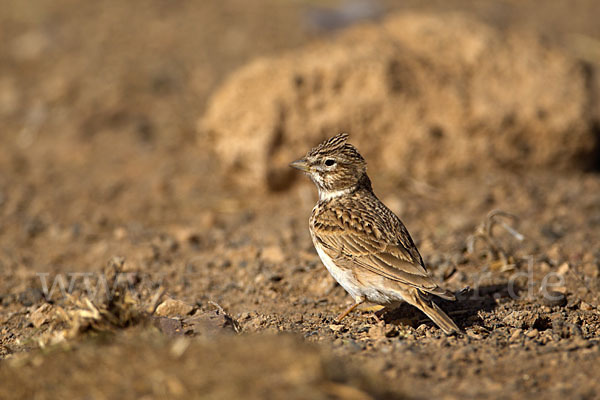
point(379, 321)
point(379, 314)
point(340, 317)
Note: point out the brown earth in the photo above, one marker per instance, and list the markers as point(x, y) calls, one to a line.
point(187, 284)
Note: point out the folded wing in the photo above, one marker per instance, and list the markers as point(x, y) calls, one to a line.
point(381, 247)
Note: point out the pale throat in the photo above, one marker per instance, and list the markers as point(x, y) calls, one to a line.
point(332, 194)
point(328, 194)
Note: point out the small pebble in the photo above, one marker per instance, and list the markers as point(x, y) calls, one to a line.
point(532, 333)
point(555, 299)
point(563, 268)
point(298, 318)
point(516, 335)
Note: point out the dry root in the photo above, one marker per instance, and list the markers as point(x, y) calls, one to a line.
point(497, 255)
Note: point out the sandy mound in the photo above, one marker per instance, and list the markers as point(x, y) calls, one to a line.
point(421, 95)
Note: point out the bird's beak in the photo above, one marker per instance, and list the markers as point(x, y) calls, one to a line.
point(300, 164)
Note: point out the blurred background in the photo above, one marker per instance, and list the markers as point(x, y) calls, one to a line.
point(101, 101)
point(159, 132)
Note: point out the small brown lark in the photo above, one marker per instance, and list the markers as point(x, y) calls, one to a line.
point(363, 244)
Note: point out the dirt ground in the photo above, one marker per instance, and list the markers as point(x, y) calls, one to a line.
point(132, 265)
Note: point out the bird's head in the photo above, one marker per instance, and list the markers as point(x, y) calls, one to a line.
point(336, 167)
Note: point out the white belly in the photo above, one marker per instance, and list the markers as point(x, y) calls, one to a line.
point(376, 292)
point(344, 278)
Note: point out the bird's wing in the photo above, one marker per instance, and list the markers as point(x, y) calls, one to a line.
point(375, 240)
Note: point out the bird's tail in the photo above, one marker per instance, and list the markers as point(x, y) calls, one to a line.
point(436, 314)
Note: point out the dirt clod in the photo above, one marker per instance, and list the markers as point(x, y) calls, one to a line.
point(172, 307)
point(467, 92)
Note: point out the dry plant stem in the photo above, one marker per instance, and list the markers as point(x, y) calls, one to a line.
point(155, 301)
point(236, 327)
point(218, 306)
point(484, 232)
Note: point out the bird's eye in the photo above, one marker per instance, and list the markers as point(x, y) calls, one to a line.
point(329, 162)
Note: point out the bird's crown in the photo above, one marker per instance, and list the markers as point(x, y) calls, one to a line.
point(337, 146)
